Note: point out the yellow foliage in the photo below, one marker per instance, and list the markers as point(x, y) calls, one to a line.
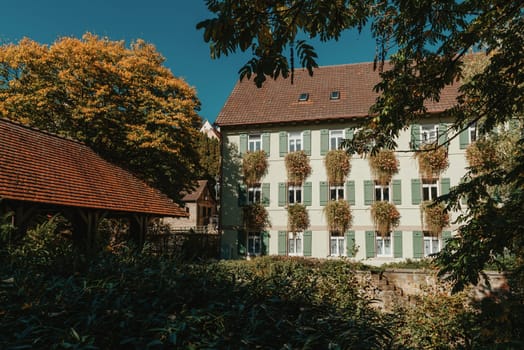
point(119, 100)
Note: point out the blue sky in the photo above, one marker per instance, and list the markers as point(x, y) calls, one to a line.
point(169, 25)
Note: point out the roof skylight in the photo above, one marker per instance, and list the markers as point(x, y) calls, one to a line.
point(335, 95)
point(303, 97)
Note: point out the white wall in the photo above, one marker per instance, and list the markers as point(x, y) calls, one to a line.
point(410, 214)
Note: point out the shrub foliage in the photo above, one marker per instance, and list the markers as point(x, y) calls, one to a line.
point(52, 298)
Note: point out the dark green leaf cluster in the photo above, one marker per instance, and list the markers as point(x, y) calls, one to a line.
point(270, 28)
point(126, 300)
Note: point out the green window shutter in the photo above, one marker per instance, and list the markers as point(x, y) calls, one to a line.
point(282, 143)
point(442, 133)
point(265, 242)
point(418, 244)
point(350, 243)
point(444, 186)
point(348, 134)
point(266, 143)
point(282, 242)
point(370, 244)
point(350, 192)
point(397, 192)
point(265, 194)
point(306, 138)
point(323, 193)
point(242, 195)
point(242, 147)
point(397, 244)
point(241, 243)
point(446, 235)
point(308, 242)
point(282, 194)
point(307, 194)
point(415, 136)
point(324, 142)
point(464, 139)
point(416, 196)
point(369, 188)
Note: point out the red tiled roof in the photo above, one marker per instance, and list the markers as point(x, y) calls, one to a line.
point(40, 167)
point(277, 100)
point(193, 196)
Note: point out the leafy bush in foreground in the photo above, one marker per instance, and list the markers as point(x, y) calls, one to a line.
point(125, 300)
point(52, 297)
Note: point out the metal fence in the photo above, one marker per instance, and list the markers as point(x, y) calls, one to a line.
point(187, 244)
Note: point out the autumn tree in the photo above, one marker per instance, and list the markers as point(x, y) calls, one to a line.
point(209, 155)
point(427, 44)
point(121, 101)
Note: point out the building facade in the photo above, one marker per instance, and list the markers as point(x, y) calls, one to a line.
point(313, 116)
point(200, 205)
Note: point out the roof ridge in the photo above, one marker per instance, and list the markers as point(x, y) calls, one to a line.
point(341, 65)
point(34, 128)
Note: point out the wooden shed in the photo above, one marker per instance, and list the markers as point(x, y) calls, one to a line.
point(40, 171)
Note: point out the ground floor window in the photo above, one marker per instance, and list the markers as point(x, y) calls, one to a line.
point(431, 244)
point(254, 243)
point(337, 244)
point(295, 243)
point(384, 244)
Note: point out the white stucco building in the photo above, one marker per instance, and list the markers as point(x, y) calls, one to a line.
point(313, 114)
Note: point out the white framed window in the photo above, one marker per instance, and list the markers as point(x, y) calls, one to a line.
point(295, 241)
point(382, 192)
point(294, 141)
point(254, 243)
point(337, 244)
point(429, 189)
point(472, 133)
point(254, 142)
point(428, 133)
point(384, 244)
point(431, 244)
point(336, 192)
point(294, 194)
point(254, 194)
point(335, 139)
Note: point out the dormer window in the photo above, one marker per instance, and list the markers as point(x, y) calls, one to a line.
point(303, 97)
point(335, 95)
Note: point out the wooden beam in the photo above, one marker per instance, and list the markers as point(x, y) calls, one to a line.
point(138, 227)
point(85, 223)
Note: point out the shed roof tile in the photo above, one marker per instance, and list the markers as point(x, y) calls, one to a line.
point(36, 166)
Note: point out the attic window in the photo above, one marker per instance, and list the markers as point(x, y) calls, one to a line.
point(335, 95)
point(303, 97)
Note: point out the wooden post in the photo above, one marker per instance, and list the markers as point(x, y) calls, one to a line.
point(138, 228)
point(85, 227)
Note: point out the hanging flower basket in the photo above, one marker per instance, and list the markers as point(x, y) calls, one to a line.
point(435, 217)
point(432, 162)
point(298, 218)
point(338, 166)
point(384, 165)
point(297, 166)
point(338, 215)
point(254, 167)
point(255, 217)
point(483, 155)
point(385, 216)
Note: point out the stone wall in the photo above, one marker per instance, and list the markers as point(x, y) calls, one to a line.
point(394, 286)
